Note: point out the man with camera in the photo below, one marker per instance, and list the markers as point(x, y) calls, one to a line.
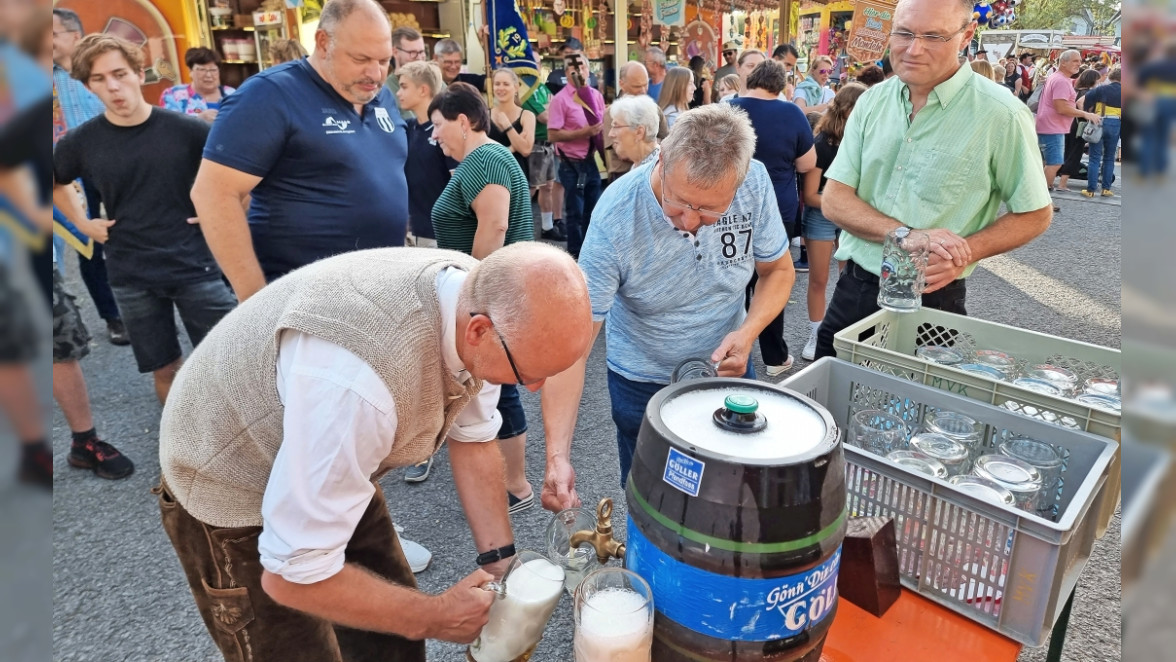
point(574, 122)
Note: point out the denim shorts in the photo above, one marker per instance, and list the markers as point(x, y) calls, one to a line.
point(150, 317)
point(817, 227)
point(510, 407)
point(1053, 148)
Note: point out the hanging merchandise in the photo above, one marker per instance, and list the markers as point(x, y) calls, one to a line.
point(980, 12)
point(558, 7)
point(645, 34)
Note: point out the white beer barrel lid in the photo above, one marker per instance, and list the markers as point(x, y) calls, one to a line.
point(761, 425)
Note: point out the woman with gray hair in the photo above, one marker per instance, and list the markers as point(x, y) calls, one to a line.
point(635, 121)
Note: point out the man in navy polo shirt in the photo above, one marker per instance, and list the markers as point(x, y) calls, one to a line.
point(319, 145)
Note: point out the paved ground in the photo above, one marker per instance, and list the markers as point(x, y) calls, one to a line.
point(119, 593)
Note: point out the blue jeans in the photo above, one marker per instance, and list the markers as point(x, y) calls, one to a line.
point(1102, 155)
point(1153, 139)
point(629, 399)
point(579, 201)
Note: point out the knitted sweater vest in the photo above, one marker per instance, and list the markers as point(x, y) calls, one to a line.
point(222, 426)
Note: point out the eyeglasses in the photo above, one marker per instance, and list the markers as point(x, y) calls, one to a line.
point(413, 54)
point(61, 32)
point(682, 206)
point(824, 71)
point(907, 37)
point(204, 70)
point(622, 126)
point(510, 359)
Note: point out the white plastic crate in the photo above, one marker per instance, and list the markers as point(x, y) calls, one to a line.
point(886, 341)
point(1005, 568)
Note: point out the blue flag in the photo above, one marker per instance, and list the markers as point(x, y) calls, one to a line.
point(509, 46)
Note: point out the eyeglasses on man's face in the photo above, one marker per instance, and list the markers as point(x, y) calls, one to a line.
point(906, 37)
point(506, 350)
point(418, 54)
point(705, 214)
point(204, 70)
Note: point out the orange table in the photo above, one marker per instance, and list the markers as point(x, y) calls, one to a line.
point(914, 629)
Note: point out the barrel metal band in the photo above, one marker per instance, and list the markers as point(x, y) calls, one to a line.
point(736, 546)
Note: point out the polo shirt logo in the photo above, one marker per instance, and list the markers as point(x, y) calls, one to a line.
point(337, 126)
point(384, 121)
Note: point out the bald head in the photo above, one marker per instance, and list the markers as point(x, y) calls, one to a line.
point(535, 296)
point(634, 79)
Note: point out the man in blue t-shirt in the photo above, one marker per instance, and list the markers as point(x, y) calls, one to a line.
point(668, 254)
point(316, 149)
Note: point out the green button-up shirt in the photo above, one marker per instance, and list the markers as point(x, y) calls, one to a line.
point(972, 147)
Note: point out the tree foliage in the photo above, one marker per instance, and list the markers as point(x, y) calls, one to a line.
point(1057, 14)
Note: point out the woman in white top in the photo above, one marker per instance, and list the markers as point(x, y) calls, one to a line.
point(676, 93)
point(812, 95)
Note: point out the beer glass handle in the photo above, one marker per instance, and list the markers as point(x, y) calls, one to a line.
point(497, 588)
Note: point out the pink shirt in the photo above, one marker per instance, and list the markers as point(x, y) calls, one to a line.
point(566, 114)
point(1049, 121)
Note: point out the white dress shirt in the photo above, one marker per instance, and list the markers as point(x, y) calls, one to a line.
point(339, 424)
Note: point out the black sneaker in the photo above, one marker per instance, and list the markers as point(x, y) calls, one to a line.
point(36, 467)
point(801, 266)
point(118, 333)
point(562, 228)
point(104, 459)
point(553, 235)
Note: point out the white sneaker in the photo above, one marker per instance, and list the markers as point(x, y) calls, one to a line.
point(810, 348)
point(796, 242)
point(418, 557)
point(777, 370)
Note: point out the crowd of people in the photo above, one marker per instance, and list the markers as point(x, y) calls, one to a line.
point(292, 225)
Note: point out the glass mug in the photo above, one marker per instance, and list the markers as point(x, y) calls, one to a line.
point(527, 596)
point(877, 432)
point(614, 617)
point(904, 270)
point(578, 562)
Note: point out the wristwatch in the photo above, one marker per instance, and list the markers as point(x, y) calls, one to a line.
point(496, 555)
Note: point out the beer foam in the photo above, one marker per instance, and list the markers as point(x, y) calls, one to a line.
point(794, 428)
point(610, 613)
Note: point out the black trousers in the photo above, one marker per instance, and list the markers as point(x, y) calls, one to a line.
point(773, 347)
point(856, 298)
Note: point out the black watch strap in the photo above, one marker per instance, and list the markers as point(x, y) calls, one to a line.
point(496, 555)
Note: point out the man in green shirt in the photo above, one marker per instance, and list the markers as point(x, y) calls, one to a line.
point(937, 148)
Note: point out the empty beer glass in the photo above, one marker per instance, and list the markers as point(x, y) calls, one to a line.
point(529, 593)
point(904, 270)
point(577, 562)
point(878, 432)
point(959, 427)
point(1045, 459)
point(614, 617)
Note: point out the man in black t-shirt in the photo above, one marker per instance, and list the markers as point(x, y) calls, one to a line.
point(143, 161)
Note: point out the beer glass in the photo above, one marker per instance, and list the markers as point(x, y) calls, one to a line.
point(528, 594)
point(878, 432)
point(904, 270)
point(1020, 478)
point(958, 427)
point(578, 562)
point(614, 617)
point(1045, 459)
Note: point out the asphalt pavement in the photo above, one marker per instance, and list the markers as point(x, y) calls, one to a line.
point(119, 593)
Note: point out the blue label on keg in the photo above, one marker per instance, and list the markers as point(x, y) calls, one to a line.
point(683, 472)
point(733, 608)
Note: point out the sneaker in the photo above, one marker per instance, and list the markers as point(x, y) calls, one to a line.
point(801, 266)
point(1107, 193)
point(516, 505)
point(553, 235)
point(1087, 194)
point(417, 473)
point(560, 228)
point(777, 370)
point(117, 331)
point(36, 468)
point(415, 553)
point(796, 242)
point(102, 458)
point(809, 352)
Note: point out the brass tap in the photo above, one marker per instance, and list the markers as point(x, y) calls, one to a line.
point(602, 538)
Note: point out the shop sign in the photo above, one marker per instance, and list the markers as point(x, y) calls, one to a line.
point(669, 13)
point(871, 30)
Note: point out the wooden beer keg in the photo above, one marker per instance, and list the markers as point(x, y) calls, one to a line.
point(737, 510)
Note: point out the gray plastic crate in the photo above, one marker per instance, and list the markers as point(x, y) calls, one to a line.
point(886, 341)
point(1005, 568)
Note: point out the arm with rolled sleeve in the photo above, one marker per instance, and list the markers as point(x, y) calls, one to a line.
point(339, 423)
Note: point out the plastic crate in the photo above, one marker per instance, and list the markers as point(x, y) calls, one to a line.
point(1002, 567)
point(886, 341)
